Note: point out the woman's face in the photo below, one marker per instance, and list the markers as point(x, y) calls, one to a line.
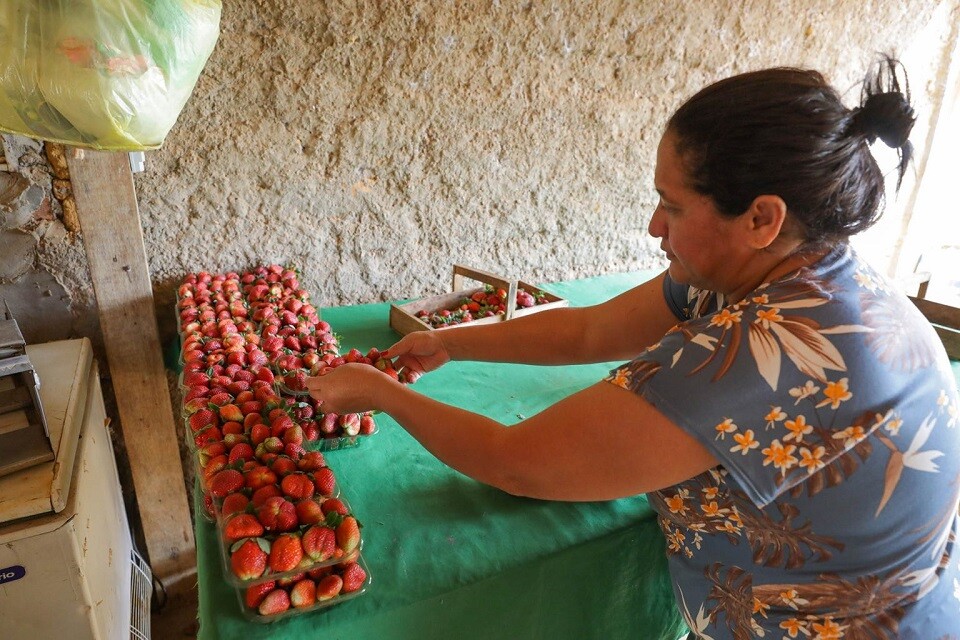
point(702, 245)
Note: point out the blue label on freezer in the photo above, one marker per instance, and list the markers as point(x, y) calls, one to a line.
point(9, 574)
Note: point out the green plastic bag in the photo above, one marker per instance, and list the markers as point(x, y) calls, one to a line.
point(105, 74)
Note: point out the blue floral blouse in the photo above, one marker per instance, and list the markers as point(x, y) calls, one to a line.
point(830, 404)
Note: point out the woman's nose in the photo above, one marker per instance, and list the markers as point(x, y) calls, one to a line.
point(655, 227)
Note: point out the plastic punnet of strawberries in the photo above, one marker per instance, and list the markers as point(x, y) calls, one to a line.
point(482, 304)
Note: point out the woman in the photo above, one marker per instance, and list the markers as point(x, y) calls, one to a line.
point(808, 409)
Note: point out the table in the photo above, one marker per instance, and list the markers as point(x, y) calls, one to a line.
point(452, 558)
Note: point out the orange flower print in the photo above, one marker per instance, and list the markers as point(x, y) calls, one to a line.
point(893, 425)
point(836, 393)
point(622, 378)
point(766, 317)
point(805, 391)
point(780, 456)
point(794, 627)
point(850, 436)
point(726, 318)
point(710, 493)
point(774, 416)
point(760, 607)
point(792, 599)
point(677, 504)
point(829, 630)
point(724, 428)
point(675, 541)
point(761, 299)
point(798, 428)
point(713, 510)
point(745, 442)
point(810, 460)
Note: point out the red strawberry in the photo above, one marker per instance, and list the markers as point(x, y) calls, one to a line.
point(269, 491)
point(248, 560)
point(233, 439)
point(259, 433)
point(329, 587)
point(309, 512)
point(324, 481)
point(353, 577)
point(277, 514)
point(242, 451)
point(242, 525)
point(297, 485)
point(208, 435)
point(349, 422)
point(291, 580)
point(191, 378)
point(304, 593)
point(226, 481)
point(311, 461)
point(319, 543)
point(283, 465)
point(277, 601)
point(251, 406)
point(329, 423)
point(231, 412)
point(202, 419)
point(333, 505)
point(196, 391)
point(293, 435)
point(233, 503)
point(280, 423)
point(254, 595)
point(367, 425)
point(293, 450)
point(265, 375)
point(259, 476)
point(286, 552)
point(221, 399)
point(348, 534)
point(311, 430)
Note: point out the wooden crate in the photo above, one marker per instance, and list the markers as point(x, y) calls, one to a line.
point(404, 320)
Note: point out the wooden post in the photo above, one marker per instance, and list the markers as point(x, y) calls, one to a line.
point(113, 238)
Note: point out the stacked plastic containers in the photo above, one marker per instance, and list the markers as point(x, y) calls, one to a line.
point(289, 541)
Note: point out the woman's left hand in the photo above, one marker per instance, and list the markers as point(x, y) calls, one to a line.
point(350, 388)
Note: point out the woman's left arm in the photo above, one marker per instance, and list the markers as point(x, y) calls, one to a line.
point(599, 444)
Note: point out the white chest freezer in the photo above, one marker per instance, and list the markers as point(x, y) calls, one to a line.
point(65, 547)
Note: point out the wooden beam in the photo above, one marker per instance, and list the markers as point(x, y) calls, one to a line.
point(113, 238)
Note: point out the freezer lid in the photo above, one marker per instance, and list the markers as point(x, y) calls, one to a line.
point(64, 369)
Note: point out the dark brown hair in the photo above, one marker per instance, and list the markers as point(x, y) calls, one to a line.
point(786, 132)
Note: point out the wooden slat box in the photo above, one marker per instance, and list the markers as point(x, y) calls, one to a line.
point(404, 320)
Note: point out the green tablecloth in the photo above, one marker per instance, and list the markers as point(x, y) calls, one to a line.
point(451, 558)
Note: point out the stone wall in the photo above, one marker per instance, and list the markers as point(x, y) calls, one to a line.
point(373, 144)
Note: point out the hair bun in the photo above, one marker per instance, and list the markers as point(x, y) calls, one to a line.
point(887, 116)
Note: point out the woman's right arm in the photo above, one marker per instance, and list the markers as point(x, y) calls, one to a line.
point(618, 329)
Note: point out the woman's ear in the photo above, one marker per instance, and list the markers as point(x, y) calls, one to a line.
point(765, 219)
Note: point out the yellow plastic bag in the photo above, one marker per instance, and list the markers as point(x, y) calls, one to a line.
point(106, 74)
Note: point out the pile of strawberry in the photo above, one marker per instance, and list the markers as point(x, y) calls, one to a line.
point(482, 304)
point(293, 373)
point(288, 540)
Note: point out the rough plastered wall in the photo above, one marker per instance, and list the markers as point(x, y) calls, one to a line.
point(373, 144)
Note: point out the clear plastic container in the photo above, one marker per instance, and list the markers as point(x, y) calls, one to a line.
point(254, 615)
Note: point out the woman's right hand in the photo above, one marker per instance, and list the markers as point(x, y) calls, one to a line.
point(419, 352)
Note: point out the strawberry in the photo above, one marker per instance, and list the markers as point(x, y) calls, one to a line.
point(293, 435)
point(242, 525)
point(311, 430)
point(328, 425)
point(277, 514)
point(353, 577)
point(230, 412)
point(254, 595)
point(286, 552)
point(220, 399)
point(196, 391)
point(233, 503)
point(303, 593)
point(251, 406)
point(329, 587)
point(208, 435)
point(226, 481)
point(237, 387)
point(260, 495)
point(265, 375)
point(191, 378)
point(324, 481)
point(231, 427)
point(348, 534)
point(333, 505)
point(319, 543)
point(283, 466)
point(275, 602)
point(259, 476)
point(349, 422)
point(297, 486)
point(248, 559)
point(293, 450)
point(258, 433)
point(241, 451)
point(233, 439)
point(367, 425)
point(280, 423)
point(202, 419)
point(309, 512)
point(311, 461)
point(291, 580)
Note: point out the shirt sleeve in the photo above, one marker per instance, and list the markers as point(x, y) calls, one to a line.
point(704, 377)
point(677, 298)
